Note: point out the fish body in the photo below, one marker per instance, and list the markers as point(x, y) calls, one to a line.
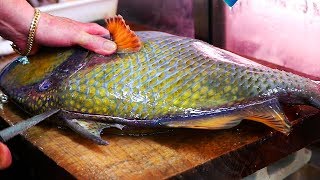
point(172, 81)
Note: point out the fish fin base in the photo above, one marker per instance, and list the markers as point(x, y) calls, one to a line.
point(90, 129)
point(268, 112)
point(213, 123)
point(127, 41)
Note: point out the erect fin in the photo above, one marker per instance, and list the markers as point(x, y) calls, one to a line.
point(90, 129)
point(127, 41)
point(267, 112)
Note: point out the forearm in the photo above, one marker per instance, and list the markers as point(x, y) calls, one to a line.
point(15, 19)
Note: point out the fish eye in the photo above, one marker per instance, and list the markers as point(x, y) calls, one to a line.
point(45, 85)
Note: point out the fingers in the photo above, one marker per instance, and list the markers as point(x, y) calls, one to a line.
point(5, 156)
point(96, 29)
point(95, 43)
point(62, 32)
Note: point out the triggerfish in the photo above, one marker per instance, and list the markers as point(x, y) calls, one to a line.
point(155, 80)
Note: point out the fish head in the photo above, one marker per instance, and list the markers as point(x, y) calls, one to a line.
point(33, 85)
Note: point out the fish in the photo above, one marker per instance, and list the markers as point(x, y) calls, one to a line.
point(155, 80)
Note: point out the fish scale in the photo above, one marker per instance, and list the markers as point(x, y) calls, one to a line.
point(177, 82)
point(171, 82)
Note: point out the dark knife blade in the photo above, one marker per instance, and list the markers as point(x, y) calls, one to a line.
point(22, 126)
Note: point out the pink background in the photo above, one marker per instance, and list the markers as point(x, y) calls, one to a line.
point(284, 32)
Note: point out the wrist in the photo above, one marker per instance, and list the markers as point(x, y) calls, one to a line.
point(31, 35)
point(15, 26)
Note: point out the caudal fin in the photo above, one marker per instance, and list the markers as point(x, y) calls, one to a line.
point(314, 100)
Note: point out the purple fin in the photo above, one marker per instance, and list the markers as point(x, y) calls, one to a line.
point(88, 129)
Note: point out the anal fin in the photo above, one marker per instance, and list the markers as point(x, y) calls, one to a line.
point(268, 112)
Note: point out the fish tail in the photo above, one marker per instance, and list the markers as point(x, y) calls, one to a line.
point(314, 98)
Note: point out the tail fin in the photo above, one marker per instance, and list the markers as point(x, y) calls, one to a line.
point(315, 99)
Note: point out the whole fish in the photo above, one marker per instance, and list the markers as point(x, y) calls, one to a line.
point(155, 80)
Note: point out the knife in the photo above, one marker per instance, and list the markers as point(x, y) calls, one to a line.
point(22, 126)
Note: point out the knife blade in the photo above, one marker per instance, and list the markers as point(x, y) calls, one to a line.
point(22, 126)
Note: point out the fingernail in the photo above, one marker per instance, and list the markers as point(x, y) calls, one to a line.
point(109, 46)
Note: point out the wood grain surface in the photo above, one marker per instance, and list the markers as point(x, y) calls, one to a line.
point(232, 153)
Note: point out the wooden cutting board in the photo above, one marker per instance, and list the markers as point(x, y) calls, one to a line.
point(230, 153)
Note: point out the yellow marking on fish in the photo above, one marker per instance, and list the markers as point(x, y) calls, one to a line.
point(204, 90)
point(78, 106)
point(37, 68)
point(88, 103)
point(91, 82)
point(196, 96)
point(83, 87)
point(97, 101)
point(92, 90)
point(99, 75)
point(227, 88)
point(102, 92)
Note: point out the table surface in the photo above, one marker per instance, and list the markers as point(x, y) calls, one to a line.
point(181, 153)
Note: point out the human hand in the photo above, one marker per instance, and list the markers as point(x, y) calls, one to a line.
point(51, 30)
point(58, 31)
point(5, 157)
point(61, 32)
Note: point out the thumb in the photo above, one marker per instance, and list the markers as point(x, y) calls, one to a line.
point(96, 43)
point(5, 156)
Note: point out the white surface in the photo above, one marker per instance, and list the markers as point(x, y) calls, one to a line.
point(80, 10)
point(83, 10)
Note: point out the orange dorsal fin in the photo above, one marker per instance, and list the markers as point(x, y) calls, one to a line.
point(127, 41)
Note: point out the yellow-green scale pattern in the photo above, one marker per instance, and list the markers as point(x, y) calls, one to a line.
point(168, 76)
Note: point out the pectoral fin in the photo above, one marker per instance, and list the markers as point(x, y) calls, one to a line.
point(267, 112)
point(90, 129)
